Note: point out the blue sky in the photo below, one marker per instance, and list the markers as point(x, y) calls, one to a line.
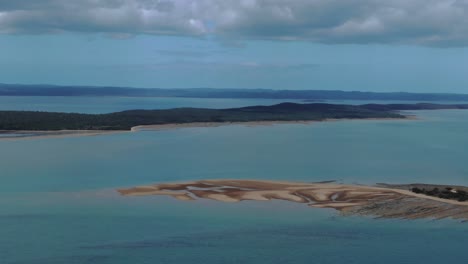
point(369, 46)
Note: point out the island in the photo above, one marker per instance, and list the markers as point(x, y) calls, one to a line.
point(380, 201)
point(54, 123)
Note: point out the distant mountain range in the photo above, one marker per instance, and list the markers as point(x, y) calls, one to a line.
point(55, 90)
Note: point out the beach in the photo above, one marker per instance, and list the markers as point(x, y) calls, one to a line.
point(33, 134)
point(348, 199)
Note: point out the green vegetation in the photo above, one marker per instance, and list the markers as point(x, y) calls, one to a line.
point(28, 120)
point(447, 193)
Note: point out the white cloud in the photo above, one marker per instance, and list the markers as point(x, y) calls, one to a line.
point(419, 22)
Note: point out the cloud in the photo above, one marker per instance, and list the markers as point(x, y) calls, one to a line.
point(417, 22)
point(113, 17)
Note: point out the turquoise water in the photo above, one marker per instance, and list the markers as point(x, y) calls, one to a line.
point(58, 204)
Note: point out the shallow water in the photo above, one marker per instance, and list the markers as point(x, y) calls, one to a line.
point(58, 204)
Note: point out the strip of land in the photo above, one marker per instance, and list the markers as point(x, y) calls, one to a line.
point(249, 123)
point(27, 134)
point(383, 201)
point(25, 124)
point(21, 135)
point(314, 95)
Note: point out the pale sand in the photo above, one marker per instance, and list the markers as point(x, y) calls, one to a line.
point(78, 133)
point(348, 199)
point(215, 124)
point(56, 134)
point(149, 190)
point(258, 123)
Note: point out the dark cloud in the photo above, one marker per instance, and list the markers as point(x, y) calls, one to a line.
point(415, 22)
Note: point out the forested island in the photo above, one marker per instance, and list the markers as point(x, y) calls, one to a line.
point(52, 121)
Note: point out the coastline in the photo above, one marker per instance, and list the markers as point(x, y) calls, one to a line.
point(217, 124)
point(41, 134)
point(260, 123)
point(381, 202)
point(32, 134)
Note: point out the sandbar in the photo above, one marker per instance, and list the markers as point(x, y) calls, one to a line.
point(377, 201)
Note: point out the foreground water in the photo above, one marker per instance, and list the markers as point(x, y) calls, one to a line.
point(58, 204)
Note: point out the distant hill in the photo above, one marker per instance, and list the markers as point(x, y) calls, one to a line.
point(53, 90)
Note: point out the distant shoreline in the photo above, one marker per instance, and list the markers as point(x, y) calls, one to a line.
point(257, 123)
point(28, 134)
point(22, 124)
point(220, 93)
point(31, 134)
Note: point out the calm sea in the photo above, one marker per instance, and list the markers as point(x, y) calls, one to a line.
point(58, 202)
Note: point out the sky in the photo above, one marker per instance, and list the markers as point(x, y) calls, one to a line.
point(365, 45)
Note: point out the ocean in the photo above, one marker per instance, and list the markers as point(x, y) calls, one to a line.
point(58, 202)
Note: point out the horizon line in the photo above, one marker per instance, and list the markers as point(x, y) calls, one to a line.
point(230, 88)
